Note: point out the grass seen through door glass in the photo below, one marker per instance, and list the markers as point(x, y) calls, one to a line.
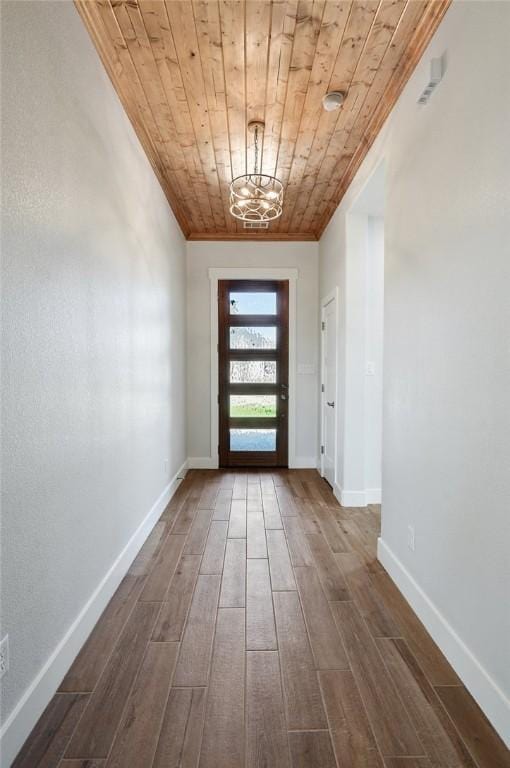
point(252, 406)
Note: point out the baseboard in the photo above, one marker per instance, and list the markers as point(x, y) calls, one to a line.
point(203, 462)
point(357, 498)
point(303, 462)
point(482, 687)
point(372, 496)
point(22, 719)
point(353, 499)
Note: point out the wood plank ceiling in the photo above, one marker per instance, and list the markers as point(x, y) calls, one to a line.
point(191, 74)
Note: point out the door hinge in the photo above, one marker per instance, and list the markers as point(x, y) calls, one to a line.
point(323, 325)
point(322, 449)
point(218, 399)
point(218, 450)
point(322, 388)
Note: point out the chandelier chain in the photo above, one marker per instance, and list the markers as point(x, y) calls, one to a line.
point(256, 149)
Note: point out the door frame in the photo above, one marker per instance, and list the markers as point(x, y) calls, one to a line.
point(279, 457)
point(253, 273)
point(333, 296)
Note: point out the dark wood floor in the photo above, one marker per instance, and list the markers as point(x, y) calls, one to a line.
point(256, 628)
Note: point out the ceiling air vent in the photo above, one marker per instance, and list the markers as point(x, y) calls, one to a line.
point(256, 225)
point(435, 77)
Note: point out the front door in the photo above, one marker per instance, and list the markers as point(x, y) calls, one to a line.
point(253, 350)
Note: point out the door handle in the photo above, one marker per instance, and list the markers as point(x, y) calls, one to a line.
point(331, 404)
point(283, 397)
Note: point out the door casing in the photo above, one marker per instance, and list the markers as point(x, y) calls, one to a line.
point(333, 296)
point(279, 457)
point(250, 273)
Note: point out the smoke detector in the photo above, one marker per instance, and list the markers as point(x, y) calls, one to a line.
point(333, 100)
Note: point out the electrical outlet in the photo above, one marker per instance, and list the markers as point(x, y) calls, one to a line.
point(410, 537)
point(4, 656)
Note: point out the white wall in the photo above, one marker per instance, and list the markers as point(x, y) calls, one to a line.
point(203, 255)
point(93, 338)
point(446, 427)
point(374, 324)
point(360, 277)
point(332, 275)
point(354, 306)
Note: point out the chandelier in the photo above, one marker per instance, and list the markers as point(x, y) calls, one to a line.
point(256, 198)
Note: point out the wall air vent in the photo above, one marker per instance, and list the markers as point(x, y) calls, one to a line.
point(435, 77)
point(256, 225)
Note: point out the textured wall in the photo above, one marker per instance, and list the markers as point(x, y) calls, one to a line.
point(93, 331)
point(446, 423)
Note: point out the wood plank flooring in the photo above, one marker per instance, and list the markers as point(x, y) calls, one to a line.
point(256, 629)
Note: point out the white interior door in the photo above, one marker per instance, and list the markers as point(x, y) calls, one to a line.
point(329, 390)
